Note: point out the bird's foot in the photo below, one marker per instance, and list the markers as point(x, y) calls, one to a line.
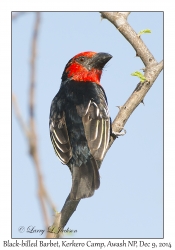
point(123, 132)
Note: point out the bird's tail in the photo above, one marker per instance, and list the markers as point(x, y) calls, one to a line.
point(85, 180)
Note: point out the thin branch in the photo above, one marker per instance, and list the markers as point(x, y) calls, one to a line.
point(133, 101)
point(119, 20)
point(33, 136)
point(19, 116)
point(151, 72)
point(30, 130)
point(62, 218)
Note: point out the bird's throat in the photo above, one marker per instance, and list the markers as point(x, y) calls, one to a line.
point(80, 73)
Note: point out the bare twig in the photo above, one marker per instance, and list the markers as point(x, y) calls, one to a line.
point(151, 72)
point(30, 130)
point(62, 218)
point(119, 20)
point(133, 101)
point(19, 117)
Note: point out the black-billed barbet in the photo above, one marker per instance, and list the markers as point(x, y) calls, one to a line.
point(80, 124)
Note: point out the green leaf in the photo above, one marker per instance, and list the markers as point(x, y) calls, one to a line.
point(144, 32)
point(139, 75)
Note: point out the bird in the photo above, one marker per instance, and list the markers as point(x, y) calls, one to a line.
point(80, 123)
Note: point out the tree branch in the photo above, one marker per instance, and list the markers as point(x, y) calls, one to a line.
point(119, 20)
point(19, 117)
point(134, 100)
point(33, 142)
point(30, 129)
point(151, 72)
point(62, 218)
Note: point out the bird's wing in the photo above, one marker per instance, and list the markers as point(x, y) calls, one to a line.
point(96, 122)
point(58, 134)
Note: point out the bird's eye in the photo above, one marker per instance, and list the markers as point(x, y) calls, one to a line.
point(82, 59)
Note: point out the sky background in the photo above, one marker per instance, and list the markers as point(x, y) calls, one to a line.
point(129, 202)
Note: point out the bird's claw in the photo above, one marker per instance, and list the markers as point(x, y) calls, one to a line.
point(123, 132)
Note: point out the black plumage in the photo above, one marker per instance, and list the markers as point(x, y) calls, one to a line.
point(80, 129)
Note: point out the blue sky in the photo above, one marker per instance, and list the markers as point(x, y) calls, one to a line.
point(129, 202)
